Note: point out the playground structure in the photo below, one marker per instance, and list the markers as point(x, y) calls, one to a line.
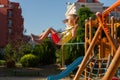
point(102, 50)
point(108, 45)
point(102, 53)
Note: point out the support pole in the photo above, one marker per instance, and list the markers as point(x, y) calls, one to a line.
point(112, 33)
point(86, 57)
point(103, 25)
point(113, 66)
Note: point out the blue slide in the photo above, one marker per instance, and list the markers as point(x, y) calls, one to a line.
point(69, 68)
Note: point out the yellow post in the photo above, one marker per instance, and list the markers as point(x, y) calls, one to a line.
point(112, 26)
point(86, 39)
point(112, 33)
point(90, 29)
point(90, 39)
point(86, 35)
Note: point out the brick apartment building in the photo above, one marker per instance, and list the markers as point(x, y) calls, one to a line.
point(11, 23)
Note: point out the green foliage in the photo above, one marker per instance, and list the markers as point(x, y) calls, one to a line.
point(9, 52)
point(10, 56)
point(25, 49)
point(80, 34)
point(71, 52)
point(84, 13)
point(29, 60)
point(45, 52)
point(2, 62)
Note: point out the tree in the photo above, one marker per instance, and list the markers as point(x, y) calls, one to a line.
point(10, 55)
point(84, 13)
point(45, 52)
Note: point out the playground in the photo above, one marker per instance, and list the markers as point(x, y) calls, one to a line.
point(100, 61)
point(102, 50)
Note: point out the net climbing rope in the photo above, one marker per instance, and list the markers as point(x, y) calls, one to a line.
point(95, 68)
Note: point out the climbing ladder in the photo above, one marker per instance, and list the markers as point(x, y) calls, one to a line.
point(95, 68)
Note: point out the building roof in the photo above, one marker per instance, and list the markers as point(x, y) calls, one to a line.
point(93, 1)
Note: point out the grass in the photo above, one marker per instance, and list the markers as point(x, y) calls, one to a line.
point(18, 65)
point(2, 62)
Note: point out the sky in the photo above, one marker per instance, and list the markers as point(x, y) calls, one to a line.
point(40, 14)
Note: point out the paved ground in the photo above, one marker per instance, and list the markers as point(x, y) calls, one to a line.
point(27, 78)
point(40, 73)
point(29, 73)
point(22, 78)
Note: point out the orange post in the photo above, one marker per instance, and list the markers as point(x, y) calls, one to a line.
point(86, 57)
point(99, 16)
point(108, 10)
point(113, 66)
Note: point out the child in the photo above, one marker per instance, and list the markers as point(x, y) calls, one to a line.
point(71, 22)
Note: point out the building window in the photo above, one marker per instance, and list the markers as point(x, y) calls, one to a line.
point(111, 14)
point(10, 13)
point(2, 51)
point(9, 31)
point(1, 5)
point(89, 1)
point(10, 5)
point(9, 23)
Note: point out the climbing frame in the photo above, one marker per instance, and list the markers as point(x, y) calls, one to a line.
point(110, 43)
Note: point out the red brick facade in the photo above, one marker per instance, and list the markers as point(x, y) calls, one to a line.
point(11, 22)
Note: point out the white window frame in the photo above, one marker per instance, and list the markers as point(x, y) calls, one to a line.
point(1, 5)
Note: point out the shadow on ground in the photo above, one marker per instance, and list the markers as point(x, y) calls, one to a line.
point(42, 71)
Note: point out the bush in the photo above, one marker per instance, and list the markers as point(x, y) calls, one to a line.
point(45, 52)
point(2, 62)
point(10, 63)
point(29, 60)
point(10, 56)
